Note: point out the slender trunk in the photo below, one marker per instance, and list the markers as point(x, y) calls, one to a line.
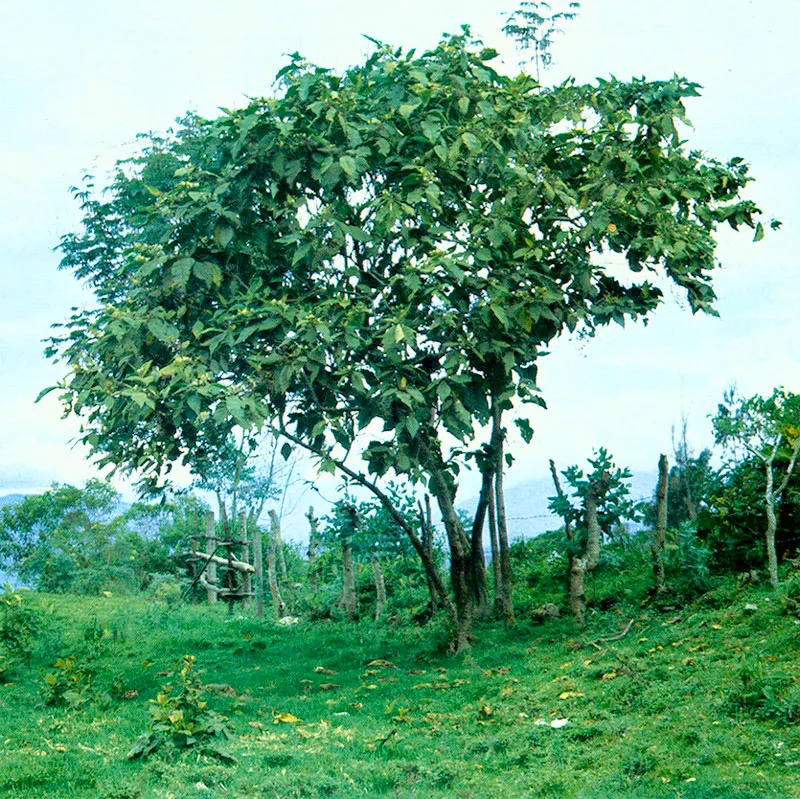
point(581, 565)
point(683, 460)
point(193, 561)
point(772, 526)
point(313, 544)
point(506, 592)
point(380, 587)
point(575, 589)
point(277, 599)
point(771, 496)
point(245, 576)
point(211, 569)
point(258, 562)
point(478, 586)
point(348, 582)
point(426, 526)
point(660, 531)
point(498, 577)
point(459, 560)
point(281, 559)
point(223, 517)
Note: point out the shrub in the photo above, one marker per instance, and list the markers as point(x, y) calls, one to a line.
point(67, 684)
point(20, 625)
point(767, 696)
point(180, 716)
point(687, 563)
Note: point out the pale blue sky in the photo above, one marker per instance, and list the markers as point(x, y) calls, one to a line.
point(80, 79)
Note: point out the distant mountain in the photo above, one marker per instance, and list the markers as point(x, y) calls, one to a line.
point(526, 504)
point(11, 499)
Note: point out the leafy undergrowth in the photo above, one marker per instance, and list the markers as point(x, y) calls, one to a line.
point(697, 702)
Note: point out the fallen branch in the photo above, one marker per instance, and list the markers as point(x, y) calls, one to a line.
point(597, 641)
point(387, 737)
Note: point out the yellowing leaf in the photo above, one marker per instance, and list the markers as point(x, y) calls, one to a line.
point(383, 664)
point(570, 694)
point(285, 718)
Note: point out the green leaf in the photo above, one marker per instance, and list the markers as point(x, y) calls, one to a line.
point(327, 466)
point(759, 232)
point(348, 165)
point(181, 271)
point(286, 451)
point(209, 273)
point(44, 392)
point(408, 109)
point(472, 141)
point(223, 234)
point(525, 429)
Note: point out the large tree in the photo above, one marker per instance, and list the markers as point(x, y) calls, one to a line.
point(373, 262)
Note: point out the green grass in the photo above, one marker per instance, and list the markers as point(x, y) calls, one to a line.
point(697, 702)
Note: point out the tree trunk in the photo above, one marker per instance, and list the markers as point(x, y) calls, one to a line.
point(660, 531)
point(277, 599)
point(683, 459)
point(211, 569)
point(380, 587)
point(480, 590)
point(581, 565)
point(193, 561)
point(281, 559)
point(506, 592)
point(313, 544)
point(426, 526)
point(348, 582)
point(577, 591)
point(772, 526)
point(258, 563)
point(459, 560)
point(245, 576)
point(498, 577)
point(223, 517)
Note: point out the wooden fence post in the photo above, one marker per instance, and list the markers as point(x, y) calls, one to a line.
point(245, 576)
point(211, 569)
point(258, 562)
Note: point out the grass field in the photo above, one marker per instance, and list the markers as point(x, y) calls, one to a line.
point(697, 702)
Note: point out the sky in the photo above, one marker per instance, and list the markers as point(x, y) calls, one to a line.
point(79, 80)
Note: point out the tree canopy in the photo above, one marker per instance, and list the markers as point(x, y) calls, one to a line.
point(373, 262)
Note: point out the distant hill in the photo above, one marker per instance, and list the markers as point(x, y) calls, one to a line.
point(526, 504)
point(11, 499)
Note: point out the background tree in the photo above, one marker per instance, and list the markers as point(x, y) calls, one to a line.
point(600, 501)
point(374, 261)
point(533, 26)
point(768, 430)
point(84, 540)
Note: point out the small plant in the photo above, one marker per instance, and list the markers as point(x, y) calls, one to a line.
point(764, 696)
point(20, 624)
point(790, 595)
point(180, 716)
point(67, 684)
